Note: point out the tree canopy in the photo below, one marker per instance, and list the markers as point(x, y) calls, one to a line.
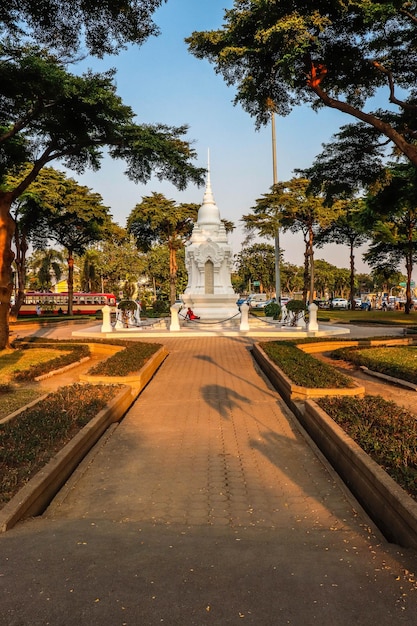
point(158, 220)
point(100, 26)
point(333, 53)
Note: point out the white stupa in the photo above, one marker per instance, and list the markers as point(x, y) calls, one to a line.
point(209, 263)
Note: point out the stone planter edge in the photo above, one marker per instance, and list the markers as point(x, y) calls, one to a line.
point(138, 381)
point(390, 506)
point(35, 496)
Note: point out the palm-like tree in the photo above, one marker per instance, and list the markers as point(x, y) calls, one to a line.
point(46, 267)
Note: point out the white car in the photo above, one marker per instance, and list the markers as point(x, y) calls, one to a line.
point(340, 303)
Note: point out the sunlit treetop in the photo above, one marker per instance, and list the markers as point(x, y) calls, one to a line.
point(67, 26)
point(334, 53)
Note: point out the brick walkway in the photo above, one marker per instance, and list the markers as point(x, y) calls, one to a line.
point(205, 506)
point(209, 442)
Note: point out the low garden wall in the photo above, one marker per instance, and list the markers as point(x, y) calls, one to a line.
point(387, 504)
point(36, 495)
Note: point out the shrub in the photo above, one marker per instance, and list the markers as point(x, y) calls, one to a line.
point(126, 361)
point(303, 369)
point(160, 306)
point(296, 306)
point(386, 431)
point(30, 440)
point(273, 309)
point(127, 305)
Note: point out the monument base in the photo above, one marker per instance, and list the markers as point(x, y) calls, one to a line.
point(213, 307)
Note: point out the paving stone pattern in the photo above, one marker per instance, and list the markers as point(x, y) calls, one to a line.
point(209, 444)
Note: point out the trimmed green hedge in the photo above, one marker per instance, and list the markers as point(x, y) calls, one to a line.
point(126, 361)
point(303, 369)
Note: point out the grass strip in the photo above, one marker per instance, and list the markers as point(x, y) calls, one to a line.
point(303, 369)
point(399, 362)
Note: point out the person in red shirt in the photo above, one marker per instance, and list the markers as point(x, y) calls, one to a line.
point(190, 315)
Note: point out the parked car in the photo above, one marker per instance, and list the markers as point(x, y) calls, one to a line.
point(322, 304)
point(262, 305)
point(339, 303)
point(241, 301)
point(285, 300)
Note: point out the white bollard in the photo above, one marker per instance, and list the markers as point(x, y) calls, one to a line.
point(312, 322)
point(175, 321)
point(244, 317)
point(106, 326)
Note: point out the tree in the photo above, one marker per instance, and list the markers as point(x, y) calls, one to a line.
point(289, 207)
point(102, 29)
point(291, 277)
point(117, 259)
point(386, 277)
point(46, 267)
point(74, 217)
point(157, 220)
point(327, 54)
point(47, 114)
point(348, 230)
point(257, 262)
point(324, 273)
point(392, 217)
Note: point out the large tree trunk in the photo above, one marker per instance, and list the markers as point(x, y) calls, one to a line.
point(7, 226)
point(70, 282)
point(352, 278)
point(172, 275)
point(306, 277)
point(21, 247)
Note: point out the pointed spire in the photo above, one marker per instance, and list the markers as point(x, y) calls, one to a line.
point(208, 194)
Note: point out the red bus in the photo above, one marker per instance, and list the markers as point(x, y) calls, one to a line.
point(40, 302)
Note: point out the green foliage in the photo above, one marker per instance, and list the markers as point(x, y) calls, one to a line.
point(159, 221)
point(399, 362)
point(30, 440)
point(256, 262)
point(387, 432)
point(126, 361)
point(303, 369)
point(296, 306)
point(76, 352)
point(273, 309)
point(73, 24)
point(127, 305)
point(335, 54)
point(160, 307)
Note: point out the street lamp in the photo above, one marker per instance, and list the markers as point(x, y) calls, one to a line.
point(275, 181)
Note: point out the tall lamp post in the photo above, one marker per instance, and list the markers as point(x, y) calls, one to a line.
point(275, 181)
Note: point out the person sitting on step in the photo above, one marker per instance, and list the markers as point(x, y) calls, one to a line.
point(190, 315)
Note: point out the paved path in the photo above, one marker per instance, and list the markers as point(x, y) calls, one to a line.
point(206, 505)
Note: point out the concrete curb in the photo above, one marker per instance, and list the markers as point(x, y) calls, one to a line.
point(390, 507)
point(136, 382)
point(36, 495)
point(387, 504)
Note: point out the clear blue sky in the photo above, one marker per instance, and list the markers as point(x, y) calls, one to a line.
point(162, 82)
